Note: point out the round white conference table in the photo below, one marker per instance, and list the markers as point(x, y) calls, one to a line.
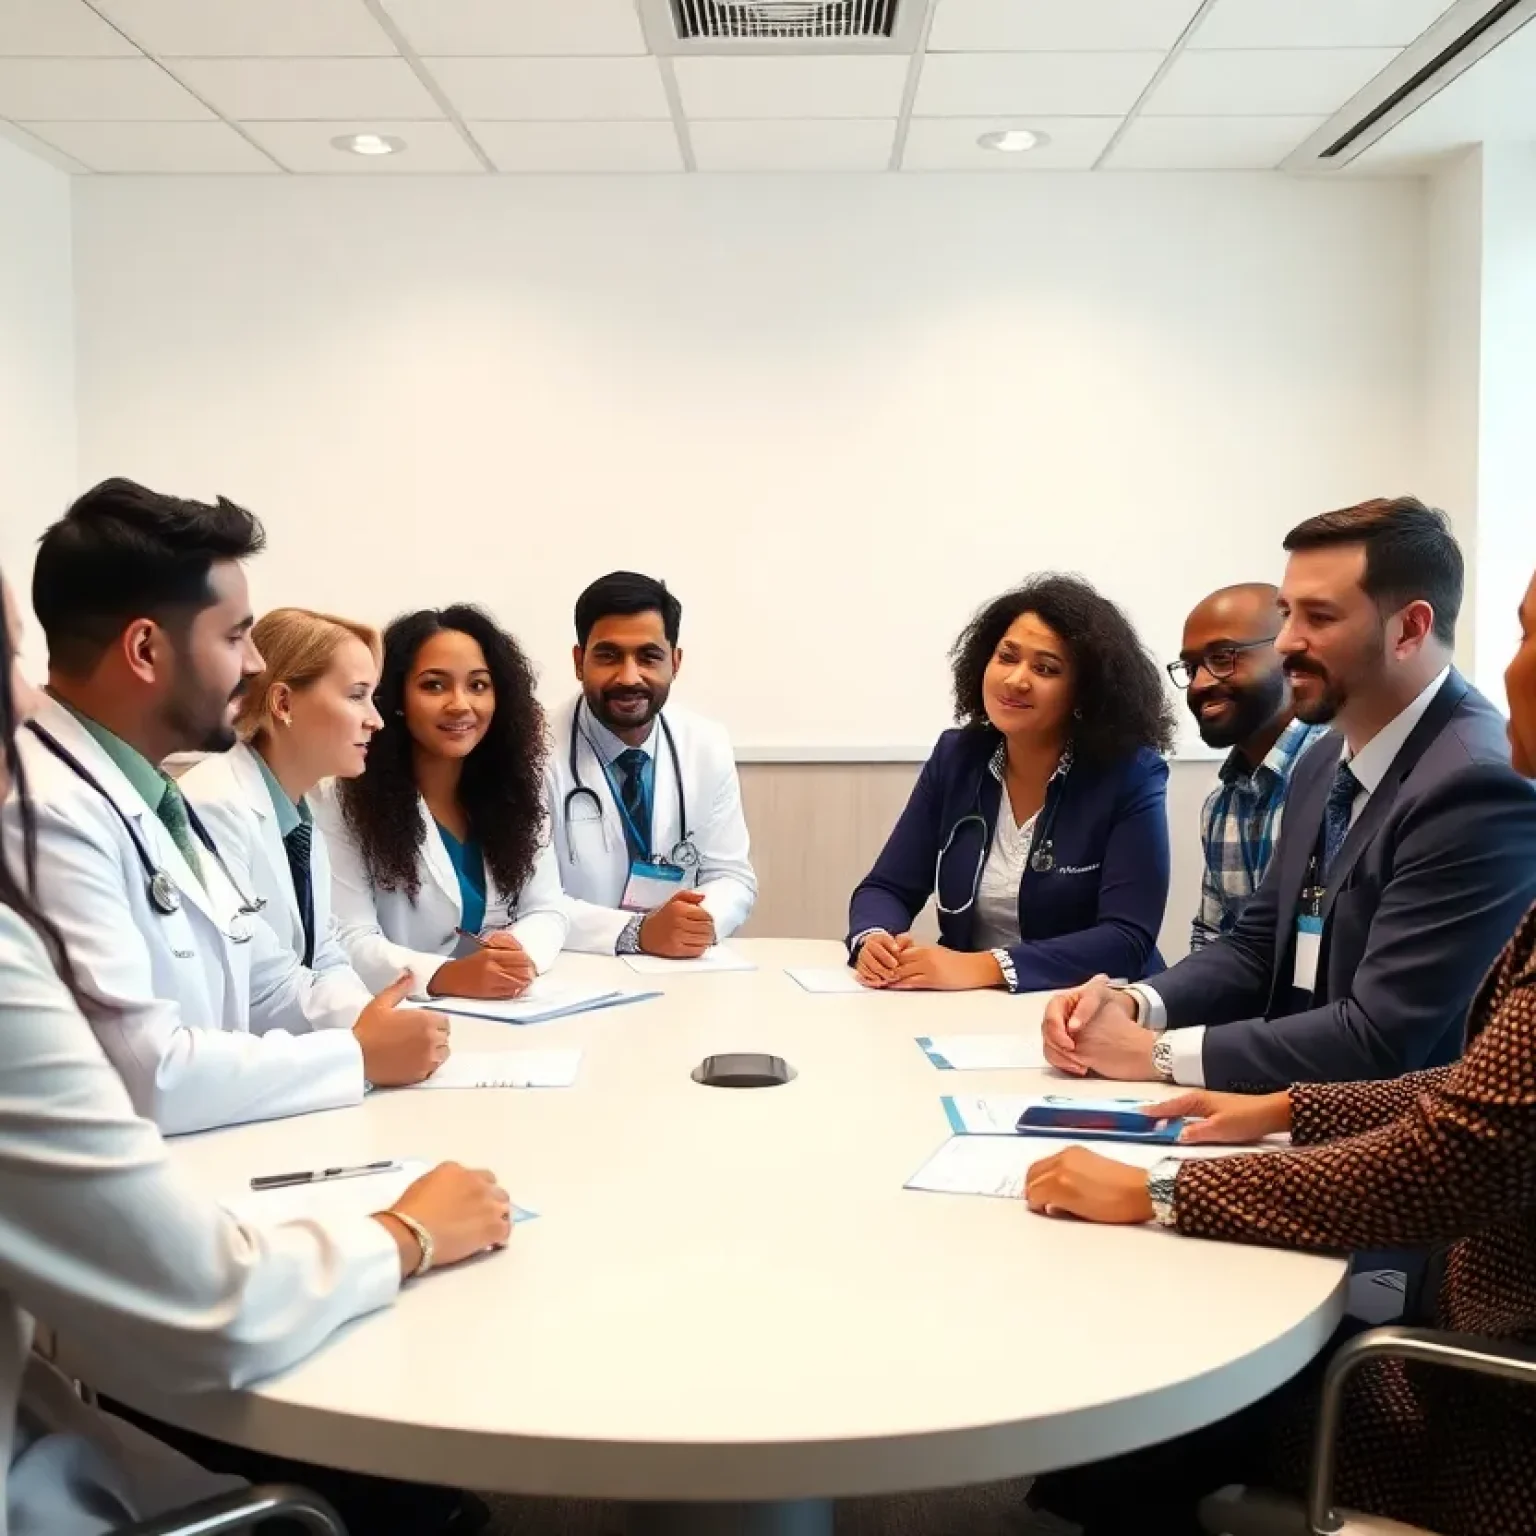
point(729, 1311)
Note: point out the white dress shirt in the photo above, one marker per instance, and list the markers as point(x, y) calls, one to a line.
point(142, 1282)
point(1369, 766)
point(997, 894)
point(589, 838)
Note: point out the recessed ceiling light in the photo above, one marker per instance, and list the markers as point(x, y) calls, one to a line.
point(368, 143)
point(1014, 141)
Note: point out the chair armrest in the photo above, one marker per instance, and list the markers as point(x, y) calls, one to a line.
point(1430, 1346)
point(240, 1511)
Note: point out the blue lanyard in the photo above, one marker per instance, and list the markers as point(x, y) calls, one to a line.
point(631, 831)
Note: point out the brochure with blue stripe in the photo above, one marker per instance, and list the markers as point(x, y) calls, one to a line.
point(1059, 1115)
point(982, 1053)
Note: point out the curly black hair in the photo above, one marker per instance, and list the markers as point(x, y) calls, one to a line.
point(1118, 686)
point(502, 788)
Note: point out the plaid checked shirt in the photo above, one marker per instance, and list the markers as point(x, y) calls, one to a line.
point(1240, 827)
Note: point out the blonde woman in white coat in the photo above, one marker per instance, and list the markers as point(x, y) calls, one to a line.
point(307, 716)
point(440, 855)
point(151, 1285)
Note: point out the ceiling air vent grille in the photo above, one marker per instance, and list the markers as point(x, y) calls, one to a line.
point(784, 20)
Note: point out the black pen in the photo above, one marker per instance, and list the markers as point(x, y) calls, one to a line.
point(321, 1175)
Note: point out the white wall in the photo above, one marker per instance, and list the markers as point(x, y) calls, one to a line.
point(835, 412)
point(37, 357)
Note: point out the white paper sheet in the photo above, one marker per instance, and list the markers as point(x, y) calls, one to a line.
point(543, 1001)
point(827, 978)
point(983, 1053)
point(506, 1069)
point(719, 958)
point(997, 1165)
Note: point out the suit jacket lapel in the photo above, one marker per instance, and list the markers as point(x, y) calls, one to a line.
point(1368, 823)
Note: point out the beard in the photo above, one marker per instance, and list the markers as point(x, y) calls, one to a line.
point(1322, 706)
point(201, 720)
point(1253, 706)
point(602, 701)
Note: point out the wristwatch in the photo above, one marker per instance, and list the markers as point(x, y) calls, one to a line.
point(423, 1241)
point(1162, 1056)
point(1161, 1180)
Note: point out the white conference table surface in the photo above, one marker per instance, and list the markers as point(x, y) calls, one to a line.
point(728, 1294)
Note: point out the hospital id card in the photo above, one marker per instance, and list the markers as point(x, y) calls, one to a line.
point(651, 884)
point(1309, 943)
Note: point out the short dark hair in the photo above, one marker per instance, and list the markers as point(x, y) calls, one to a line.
point(1411, 555)
point(123, 552)
point(626, 592)
point(1118, 686)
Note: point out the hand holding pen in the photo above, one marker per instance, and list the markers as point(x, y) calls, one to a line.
point(499, 968)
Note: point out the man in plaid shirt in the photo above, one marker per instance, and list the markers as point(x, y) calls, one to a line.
point(1232, 679)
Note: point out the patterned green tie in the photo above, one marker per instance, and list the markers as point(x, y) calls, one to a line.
point(172, 812)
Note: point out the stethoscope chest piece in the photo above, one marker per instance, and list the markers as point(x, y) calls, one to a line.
point(163, 895)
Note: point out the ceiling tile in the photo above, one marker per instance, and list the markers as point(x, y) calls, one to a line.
point(559, 27)
point(844, 144)
point(328, 89)
point(14, 133)
point(53, 90)
point(553, 90)
point(1089, 26)
point(1287, 82)
point(949, 144)
point(57, 29)
point(249, 28)
point(1014, 84)
point(156, 148)
point(838, 85)
point(580, 146)
point(1210, 143)
point(307, 149)
point(1316, 23)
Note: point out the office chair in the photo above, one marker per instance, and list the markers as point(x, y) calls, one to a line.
point(242, 1510)
point(1250, 1512)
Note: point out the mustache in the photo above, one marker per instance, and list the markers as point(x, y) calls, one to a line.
point(1294, 666)
point(627, 693)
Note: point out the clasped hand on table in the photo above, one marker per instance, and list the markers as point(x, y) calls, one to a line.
point(898, 963)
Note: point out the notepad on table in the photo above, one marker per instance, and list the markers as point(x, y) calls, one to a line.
point(719, 957)
point(506, 1069)
point(826, 978)
point(1074, 1118)
point(998, 1165)
point(543, 1001)
point(362, 1196)
point(982, 1053)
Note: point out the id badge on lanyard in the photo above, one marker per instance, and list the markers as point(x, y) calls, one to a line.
point(1309, 933)
point(651, 884)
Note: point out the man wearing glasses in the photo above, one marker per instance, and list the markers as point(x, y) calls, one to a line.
point(1237, 691)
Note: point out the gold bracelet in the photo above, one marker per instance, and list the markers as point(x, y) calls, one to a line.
point(423, 1240)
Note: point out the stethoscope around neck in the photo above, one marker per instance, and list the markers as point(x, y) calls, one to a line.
point(1042, 848)
point(685, 852)
point(160, 888)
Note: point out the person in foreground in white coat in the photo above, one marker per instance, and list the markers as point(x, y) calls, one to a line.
point(307, 716)
point(440, 861)
point(644, 799)
point(208, 1018)
point(151, 1285)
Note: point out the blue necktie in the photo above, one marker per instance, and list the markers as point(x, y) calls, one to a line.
point(631, 766)
point(298, 844)
point(1336, 815)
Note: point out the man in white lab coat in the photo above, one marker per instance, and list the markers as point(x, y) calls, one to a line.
point(208, 1019)
point(643, 798)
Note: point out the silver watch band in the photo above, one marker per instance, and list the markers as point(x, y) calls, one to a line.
point(1162, 1179)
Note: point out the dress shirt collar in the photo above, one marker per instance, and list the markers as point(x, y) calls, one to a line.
point(604, 742)
point(288, 813)
point(1369, 765)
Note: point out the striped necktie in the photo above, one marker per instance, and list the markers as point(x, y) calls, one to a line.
point(298, 844)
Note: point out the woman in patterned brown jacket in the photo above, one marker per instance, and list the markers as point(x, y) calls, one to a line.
point(1444, 1157)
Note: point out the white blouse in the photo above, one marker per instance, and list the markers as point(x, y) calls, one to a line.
point(997, 897)
point(144, 1282)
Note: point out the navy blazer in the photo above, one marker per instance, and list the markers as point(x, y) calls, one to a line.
point(1097, 910)
point(1434, 876)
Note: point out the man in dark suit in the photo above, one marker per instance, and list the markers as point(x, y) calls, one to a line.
point(1407, 856)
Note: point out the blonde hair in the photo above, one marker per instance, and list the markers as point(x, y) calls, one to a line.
point(297, 645)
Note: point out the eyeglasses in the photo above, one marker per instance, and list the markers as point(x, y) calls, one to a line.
point(1220, 661)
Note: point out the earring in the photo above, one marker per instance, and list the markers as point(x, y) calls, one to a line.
point(287, 719)
point(1077, 714)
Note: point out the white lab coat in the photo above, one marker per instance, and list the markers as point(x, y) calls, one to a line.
point(385, 933)
point(143, 1282)
point(593, 855)
point(230, 792)
point(204, 1031)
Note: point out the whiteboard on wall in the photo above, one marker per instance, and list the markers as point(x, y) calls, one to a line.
point(835, 414)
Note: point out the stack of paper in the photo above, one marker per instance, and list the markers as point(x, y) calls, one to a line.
point(995, 1165)
point(331, 1198)
point(717, 958)
point(982, 1053)
point(543, 1001)
point(506, 1069)
point(827, 978)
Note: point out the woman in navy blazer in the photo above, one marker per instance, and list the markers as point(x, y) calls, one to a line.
point(1040, 826)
